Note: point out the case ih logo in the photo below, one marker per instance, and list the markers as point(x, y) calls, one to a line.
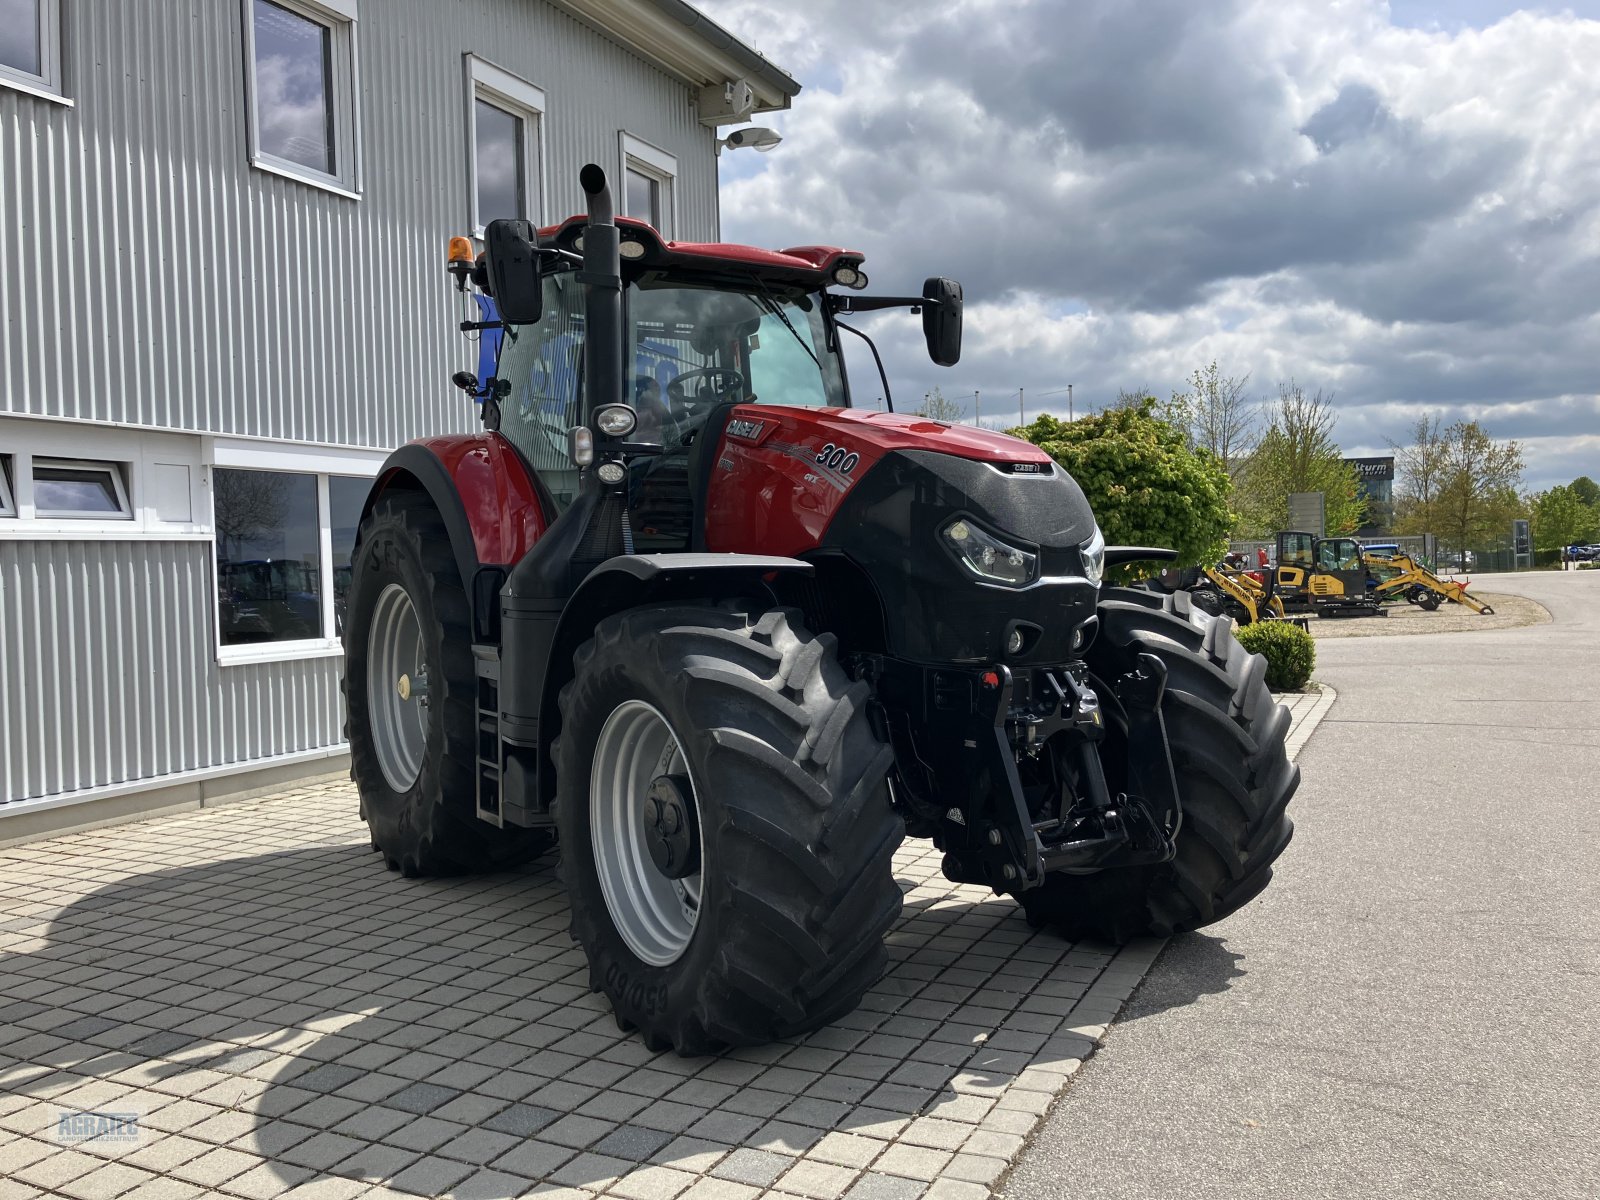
point(1027, 468)
point(750, 431)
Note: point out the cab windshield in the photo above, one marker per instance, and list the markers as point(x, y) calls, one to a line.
point(691, 348)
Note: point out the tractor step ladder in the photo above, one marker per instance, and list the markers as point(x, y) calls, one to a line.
point(486, 768)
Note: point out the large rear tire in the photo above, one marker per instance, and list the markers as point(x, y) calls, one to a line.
point(410, 711)
point(765, 918)
point(1234, 777)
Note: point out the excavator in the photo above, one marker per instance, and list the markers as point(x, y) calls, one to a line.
point(1337, 577)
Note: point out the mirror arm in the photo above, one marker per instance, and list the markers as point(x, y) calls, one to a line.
point(857, 304)
point(888, 400)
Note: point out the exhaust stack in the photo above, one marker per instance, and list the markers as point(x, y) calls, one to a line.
point(602, 277)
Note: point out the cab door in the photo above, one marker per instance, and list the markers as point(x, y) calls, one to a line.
point(1340, 574)
point(1296, 559)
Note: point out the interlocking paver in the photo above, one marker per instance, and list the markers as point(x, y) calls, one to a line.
point(286, 1017)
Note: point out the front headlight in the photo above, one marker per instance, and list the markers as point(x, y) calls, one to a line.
point(1094, 556)
point(987, 557)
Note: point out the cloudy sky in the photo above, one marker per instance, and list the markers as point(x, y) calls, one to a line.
point(1398, 203)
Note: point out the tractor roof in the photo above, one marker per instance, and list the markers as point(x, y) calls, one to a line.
point(810, 266)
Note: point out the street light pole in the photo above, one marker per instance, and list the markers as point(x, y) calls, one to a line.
point(1069, 402)
point(977, 413)
point(1022, 412)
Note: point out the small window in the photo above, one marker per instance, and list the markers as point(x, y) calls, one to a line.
point(648, 175)
point(30, 44)
point(301, 88)
point(505, 156)
point(269, 556)
point(80, 490)
point(8, 506)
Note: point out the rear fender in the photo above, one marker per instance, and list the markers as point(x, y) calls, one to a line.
point(491, 506)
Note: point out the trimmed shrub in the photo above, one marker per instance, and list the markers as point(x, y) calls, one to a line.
point(1290, 651)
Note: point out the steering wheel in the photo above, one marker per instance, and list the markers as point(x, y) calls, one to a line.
point(720, 382)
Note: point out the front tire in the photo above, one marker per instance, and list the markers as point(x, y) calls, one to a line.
point(410, 712)
point(1235, 780)
point(745, 725)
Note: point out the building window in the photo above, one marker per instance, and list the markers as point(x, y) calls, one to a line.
point(78, 490)
point(648, 175)
point(30, 44)
point(302, 89)
point(284, 545)
point(506, 164)
point(8, 504)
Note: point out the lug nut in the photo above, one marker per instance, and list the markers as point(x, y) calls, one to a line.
point(994, 837)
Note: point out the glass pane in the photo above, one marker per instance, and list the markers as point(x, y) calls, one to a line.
point(346, 496)
point(75, 491)
point(268, 554)
point(643, 198)
point(499, 158)
point(19, 36)
point(294, 87)
point(543, 365)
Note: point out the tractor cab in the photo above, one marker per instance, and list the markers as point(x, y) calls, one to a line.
point(1328, 575)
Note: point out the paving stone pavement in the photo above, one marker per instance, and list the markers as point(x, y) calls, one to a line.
point(282, 1016)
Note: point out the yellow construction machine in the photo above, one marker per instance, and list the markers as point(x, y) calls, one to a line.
point(1336, 577)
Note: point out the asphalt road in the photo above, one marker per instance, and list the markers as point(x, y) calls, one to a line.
point(1412, 1009)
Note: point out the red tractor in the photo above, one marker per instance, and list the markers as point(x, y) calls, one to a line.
point(730, 639)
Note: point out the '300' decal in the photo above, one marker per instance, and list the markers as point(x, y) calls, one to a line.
point(837, 458)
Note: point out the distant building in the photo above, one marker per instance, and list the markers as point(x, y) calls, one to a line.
point(1376, 487)
point(223, 301)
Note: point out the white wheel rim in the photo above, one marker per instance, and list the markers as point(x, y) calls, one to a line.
point(397, 688)
point(656, 916)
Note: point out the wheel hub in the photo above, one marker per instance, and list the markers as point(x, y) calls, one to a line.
point(669, 822)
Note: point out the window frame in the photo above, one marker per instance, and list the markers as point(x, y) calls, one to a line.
point(48, 84)
point(515, 96)
point(114, 469)
point(8, 503)
point(636, 154)
point(339, 18)
point(320, 463)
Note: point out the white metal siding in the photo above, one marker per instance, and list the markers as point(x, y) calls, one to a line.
point(106, 650)
point(152, 277)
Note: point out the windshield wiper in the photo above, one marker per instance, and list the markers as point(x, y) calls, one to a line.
point(772, 306)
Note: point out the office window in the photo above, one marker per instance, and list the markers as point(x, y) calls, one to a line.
point(80, 490)
point(30, 44)
point(8, 505)
point(505, 162)
point(648, 175)
point(269, 556)
point(302, 89)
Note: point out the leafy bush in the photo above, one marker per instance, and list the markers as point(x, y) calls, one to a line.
point(1146, 485)
point(1290, 651)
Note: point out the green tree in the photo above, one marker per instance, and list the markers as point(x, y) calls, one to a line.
point(1587, 491)
point(1297, 453)
point(1145, 484)
point(1561, 518)
point(936, 408)
point(1420, 475)
point(1478, 486)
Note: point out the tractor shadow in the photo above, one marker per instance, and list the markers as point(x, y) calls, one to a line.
point(1191, 967)
point(337, 1020)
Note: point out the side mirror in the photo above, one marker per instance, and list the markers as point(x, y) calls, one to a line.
point(512, 250)
point(941, 320)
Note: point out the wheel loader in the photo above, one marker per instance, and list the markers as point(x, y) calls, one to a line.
point(684, 608)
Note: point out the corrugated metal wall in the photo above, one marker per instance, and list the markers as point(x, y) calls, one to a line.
point(151, 276)
point(106, 649)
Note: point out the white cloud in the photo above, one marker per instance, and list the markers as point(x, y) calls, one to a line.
point(1407, 217)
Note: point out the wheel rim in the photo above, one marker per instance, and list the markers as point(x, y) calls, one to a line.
point(655, 915)
point(397, 687)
